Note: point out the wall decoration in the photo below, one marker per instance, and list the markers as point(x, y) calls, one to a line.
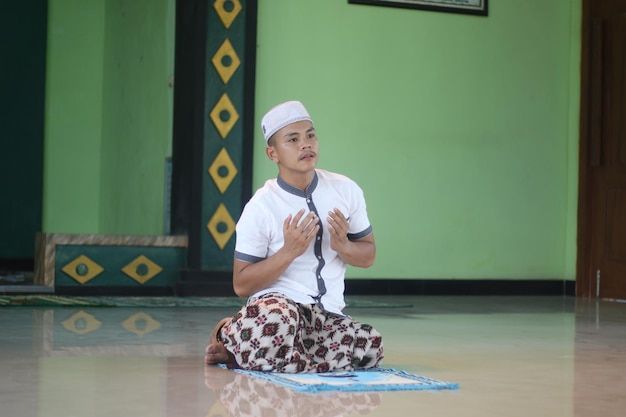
point(475, 7)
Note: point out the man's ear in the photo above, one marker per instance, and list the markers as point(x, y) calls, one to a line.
point(271, 153)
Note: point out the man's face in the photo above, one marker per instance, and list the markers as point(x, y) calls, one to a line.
point(295, 147)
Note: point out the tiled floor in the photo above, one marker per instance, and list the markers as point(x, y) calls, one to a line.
point(513, 356)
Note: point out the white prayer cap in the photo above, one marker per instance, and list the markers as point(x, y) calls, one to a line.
point(282, 115)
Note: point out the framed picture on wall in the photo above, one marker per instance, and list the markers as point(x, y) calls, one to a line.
point(475, 7)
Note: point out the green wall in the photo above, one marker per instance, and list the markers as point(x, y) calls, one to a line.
point(462, 130)
point(137, 115)
point(109, 115)
point(73, 116)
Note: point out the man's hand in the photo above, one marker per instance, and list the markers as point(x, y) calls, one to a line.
point(338, 228)
point(299, 232)
point(360, 253)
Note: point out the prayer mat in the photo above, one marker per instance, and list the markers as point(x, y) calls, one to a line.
point(379, 379)
point(143, 302)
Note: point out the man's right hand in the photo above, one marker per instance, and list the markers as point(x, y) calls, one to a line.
point(299, 231)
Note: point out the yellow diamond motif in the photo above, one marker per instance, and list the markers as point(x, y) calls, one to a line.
point(224, 115)
point(142, 269)
point(82, 269)
point(81, 323)
point(223, 170)
point(140, 324)
point(226, 61)
point(221, 226)
point(227, 10)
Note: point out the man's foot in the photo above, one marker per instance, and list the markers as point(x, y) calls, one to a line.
point(216, 352)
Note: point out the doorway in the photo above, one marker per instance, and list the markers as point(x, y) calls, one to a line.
point(601, 269)
point(23, 28)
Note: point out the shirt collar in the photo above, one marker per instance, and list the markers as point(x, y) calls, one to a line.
point(296, 191)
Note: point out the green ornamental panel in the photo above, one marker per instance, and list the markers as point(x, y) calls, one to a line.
point(223, 132)
point(117, 266)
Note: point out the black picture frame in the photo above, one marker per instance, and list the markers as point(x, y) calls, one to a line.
point(472, 7)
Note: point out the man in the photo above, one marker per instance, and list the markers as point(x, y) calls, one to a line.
point(291, 263)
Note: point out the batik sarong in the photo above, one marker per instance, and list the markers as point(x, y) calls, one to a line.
point(273, 333)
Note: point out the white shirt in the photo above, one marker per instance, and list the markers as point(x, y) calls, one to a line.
point(260, 235)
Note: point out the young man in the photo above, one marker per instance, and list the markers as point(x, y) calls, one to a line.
point(294, 239)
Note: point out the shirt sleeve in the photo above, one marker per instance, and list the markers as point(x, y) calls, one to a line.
point(253, 236)
point(360, 225)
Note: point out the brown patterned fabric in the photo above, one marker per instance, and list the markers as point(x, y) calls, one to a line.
point(273, 333)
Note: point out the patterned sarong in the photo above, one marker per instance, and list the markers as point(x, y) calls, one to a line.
point(273, 333)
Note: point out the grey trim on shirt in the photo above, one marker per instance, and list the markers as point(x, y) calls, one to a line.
point(360, 235)
point(296, 191)
point(247, 258)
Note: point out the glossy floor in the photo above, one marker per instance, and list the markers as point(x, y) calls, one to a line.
point(512, 356)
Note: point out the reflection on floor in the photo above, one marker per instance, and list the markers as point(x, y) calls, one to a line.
point(513, 356)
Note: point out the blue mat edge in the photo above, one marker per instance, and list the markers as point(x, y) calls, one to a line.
point(432, 384)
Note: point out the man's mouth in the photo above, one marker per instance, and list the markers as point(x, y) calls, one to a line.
point(308, 155)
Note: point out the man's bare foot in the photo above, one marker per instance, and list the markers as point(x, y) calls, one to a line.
point(216, 352)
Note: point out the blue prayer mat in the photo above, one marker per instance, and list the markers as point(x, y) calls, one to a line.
point(378, 379)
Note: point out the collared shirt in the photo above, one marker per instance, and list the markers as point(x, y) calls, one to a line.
point(318, 274)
